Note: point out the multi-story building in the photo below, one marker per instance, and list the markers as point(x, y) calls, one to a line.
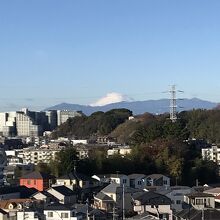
point(27, 123)
point(35, 156)
point(52, 119)
point(211, 153)
point(8, 124)
point(64, 115)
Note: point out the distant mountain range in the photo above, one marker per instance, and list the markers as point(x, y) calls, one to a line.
point(139, 107)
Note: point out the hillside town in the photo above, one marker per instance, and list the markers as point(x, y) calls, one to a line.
point(29, 193)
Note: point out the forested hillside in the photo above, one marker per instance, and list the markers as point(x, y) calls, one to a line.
point(99, 123)
point(159, 146)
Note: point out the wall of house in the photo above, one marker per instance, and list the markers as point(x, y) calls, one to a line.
point(162, 209)
point(56, 194)
point(33, 183)
point(26, 215)
point(3, 217)
point(57, 215)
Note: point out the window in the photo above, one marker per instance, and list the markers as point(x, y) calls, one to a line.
point(35, 182)
point(178, 202)
point(29, 182)
point(50, 214)
point(199, 201)
point(165, 182)
point(139, 183)
point(124, 181)
point(64, 215)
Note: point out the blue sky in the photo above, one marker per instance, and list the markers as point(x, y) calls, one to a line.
point(78, 51)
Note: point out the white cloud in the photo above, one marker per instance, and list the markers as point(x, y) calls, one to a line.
point(112, 97)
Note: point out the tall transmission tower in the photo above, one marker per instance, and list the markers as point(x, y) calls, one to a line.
point(173, 106)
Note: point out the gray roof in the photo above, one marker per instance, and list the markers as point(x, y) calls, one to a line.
point(59, 207)
point(116, 175)
point(214, 190)
point(111, 188)
point(76, 176)
point(155, 176)
point(136, 175)
point(116, 188)
point(145, 216)
point(194, 214)
point(152, 198)
point(194, 195)
point(64, 190)
point(103, 197)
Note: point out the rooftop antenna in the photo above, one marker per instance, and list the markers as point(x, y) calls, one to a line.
point(173, 105)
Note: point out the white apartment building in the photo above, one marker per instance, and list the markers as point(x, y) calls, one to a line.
point(123, 151)
point(25, 125)
point(64, 115)
point(35, 156)
point(7, 123)
point(211, 153)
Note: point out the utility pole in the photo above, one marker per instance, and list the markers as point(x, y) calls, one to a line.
point(87, 209)
point(123, 201)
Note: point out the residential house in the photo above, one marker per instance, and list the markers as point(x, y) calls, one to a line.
point(195, 214)
point(45, 197)
point(200, 200)
point(3, 215)
point(176, 194)
point(213, 191)
point(102, 178)
point(85, 210)
point(153, 203)
point(29, 214)
point(17, 192)
point(59, 211)
point(104, 202)
point(120, 179)
point(137, 181)
point(77, 180)
point(119, 194)
point(158, 180)
point(63, 194)
point(38, 180)
point(12, 206)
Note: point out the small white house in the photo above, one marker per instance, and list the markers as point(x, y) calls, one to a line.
point(200, 200)
point(27, 214)
point(56, 212)
point(3, 215)
point(63, 194)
